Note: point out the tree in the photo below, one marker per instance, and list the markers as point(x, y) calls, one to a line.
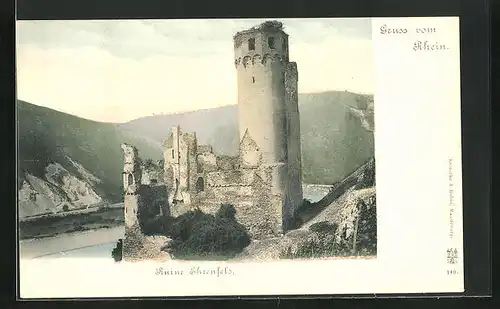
point(274, 24)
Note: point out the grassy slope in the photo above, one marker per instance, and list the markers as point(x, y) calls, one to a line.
point(333, 144)
point(46, 135)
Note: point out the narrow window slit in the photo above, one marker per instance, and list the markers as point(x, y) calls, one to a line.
point(271, 43)
point(251, 44)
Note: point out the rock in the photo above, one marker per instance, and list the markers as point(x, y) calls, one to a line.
point(137, 246)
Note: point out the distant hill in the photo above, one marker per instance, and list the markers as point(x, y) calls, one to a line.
point(334, 141)
point(209, 124)
point(66, 161)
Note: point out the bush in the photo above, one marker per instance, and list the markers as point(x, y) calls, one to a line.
point(367, 239)
point(324, 227)
point(272, 24)
point(182, 226)
point(226, 211)
point(196, 234)
point(153, 226)
point(157, 225)
point(116, 253)
point(368, 178)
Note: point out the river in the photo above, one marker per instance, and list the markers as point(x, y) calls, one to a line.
point(99, 243)
point(94, 243)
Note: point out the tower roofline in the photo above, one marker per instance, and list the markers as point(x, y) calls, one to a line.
point(267, 26)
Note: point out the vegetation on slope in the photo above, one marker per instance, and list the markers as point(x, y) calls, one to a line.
point(327, 239)
point(46, 136)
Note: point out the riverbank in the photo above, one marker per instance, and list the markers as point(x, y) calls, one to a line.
point(83, 210)
point(39, 247)
point(52, 226)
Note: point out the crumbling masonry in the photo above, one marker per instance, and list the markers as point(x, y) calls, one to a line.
point(263, 181)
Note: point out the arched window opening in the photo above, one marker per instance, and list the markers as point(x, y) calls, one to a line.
point(130, 179)
point(200, 185)
point(173, 153)
point(271, 43)
point(251, 44)
point(253, 80)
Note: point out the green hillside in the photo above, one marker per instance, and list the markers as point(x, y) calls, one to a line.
point(46, 136)
point(334, 143)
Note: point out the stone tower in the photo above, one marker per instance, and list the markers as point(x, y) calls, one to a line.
point(131, 185)
point(261, 58)
point(180, 169)
point(268, 105)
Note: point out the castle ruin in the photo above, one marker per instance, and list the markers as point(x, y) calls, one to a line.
point(263, 182)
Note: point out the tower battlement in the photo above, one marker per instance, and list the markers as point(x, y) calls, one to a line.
point(259, 60)
point(261, 45)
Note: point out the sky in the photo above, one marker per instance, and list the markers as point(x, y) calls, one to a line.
point(119, 70)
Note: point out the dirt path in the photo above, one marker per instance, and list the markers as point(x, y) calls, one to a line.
point(32, 248)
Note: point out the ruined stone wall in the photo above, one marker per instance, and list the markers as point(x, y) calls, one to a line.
point(256, 190)
point(293, 143)
point(258, 208)
point(227, 163)
point(206, 162)
point(204, 149)
point(131, 209)
point(176, 155)
point(190, 164)
point(184, 167)
point(249, 152)
point(131, 184)
point(279, 189)
point(168, 157)
point(133, 203)
point(180, 168)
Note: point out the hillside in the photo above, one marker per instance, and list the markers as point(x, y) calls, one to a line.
point(66, 161)
point(334, 141)
point(215, 126)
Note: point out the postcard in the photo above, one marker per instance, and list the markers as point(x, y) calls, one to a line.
point(239, 157)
